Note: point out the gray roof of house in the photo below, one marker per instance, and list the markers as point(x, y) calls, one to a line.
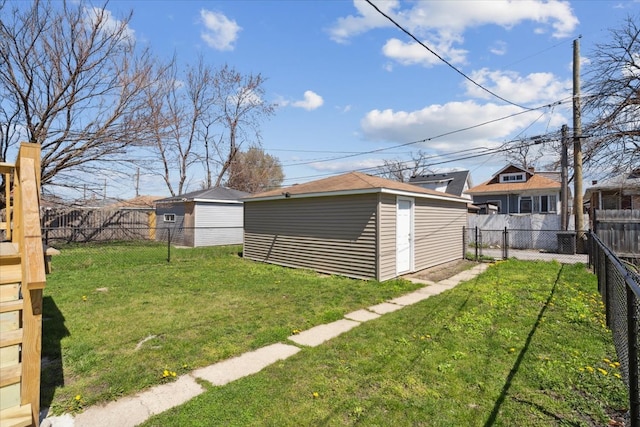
point(456, 180)
point(214, 193)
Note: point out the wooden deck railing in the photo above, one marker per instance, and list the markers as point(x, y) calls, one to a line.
point(22, 280)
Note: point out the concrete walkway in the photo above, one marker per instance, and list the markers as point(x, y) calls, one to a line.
point(134, 410)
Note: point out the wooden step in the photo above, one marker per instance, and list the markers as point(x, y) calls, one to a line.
point(10, 264)
point(14, 305)
point(10, 374)
point(16, 416)
point(11, 338)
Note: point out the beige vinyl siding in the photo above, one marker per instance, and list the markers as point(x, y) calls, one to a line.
point(438, 232)
point(387, 254)
point(335, 235)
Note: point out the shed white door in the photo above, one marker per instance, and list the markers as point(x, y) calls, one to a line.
point(404, 236)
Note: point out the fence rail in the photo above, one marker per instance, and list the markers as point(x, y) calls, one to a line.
point(530, 244)
point(619, 286)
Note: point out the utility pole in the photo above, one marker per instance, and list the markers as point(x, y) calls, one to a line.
point(577, 151)
point(564, 191)
point(138, 182)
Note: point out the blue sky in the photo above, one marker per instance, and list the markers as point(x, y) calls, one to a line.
point(353, 90)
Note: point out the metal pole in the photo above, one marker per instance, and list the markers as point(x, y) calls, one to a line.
point(464, 242)
point(565, 180)
point(632, 339)
point(168, 245)
point(477, 243)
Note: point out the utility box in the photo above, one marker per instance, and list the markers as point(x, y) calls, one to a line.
point(567, 242)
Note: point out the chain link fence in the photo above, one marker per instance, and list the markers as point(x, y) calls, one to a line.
point(80, 247)
point(526, 244)
point(619, 286)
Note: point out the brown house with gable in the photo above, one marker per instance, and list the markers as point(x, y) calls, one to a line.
point(516, 190)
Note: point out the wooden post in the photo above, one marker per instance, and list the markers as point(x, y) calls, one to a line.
point(33, 279)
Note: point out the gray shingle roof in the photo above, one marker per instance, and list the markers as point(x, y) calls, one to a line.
point(214, 193)
point(455, 180)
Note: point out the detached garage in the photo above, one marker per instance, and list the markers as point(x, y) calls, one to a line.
point(355, 225)
point(209, 217)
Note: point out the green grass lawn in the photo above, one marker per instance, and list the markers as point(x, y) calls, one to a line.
point(522, 345)
point(117, 316)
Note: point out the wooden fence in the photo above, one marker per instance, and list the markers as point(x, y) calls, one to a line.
point(619, 230)
point(90, 225)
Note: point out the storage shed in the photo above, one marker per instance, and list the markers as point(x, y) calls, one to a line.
point(209, 217)
point(355, 225)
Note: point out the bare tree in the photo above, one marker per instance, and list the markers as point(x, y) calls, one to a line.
point(524, 155)
point(241, 105)
point(402, 171)
point(183, 118)
point(71, 76)
point(612, 102)
point(254, 171)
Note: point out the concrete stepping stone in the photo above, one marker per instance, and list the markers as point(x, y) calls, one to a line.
point(131, 411)
point(361, 315)
point(321, 333)
point(246, 364)
point(410, 299)
point(384, 308)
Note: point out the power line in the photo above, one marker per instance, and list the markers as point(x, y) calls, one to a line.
point(444, 60)
point(427, 139)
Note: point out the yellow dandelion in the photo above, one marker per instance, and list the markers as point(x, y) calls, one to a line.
point(173, 374)
point(511, 350)
point(315, 395)
point(612, 365)
point(165, 373)
point(78, 397)
point(581, 369)
point(605, 360)
point(602, 371)
point(617, 375)
point(617, 364)
point(84, 297)
point(590, 369)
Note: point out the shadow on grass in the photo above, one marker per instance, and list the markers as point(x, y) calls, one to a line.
point(53, 331)
point(514, 370)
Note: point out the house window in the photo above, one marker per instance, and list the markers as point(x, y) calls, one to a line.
point(526, 204)
point(169, 217)
point(512, 177)
point(545, 204)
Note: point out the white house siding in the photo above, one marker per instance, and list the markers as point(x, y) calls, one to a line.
point(387, 233)
point(331, 234)
point(438, 232)
point(218, 224)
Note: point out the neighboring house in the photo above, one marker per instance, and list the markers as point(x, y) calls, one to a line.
point(454, 183)
point(354, 225)
point(209, 217)
point(617, 193)
point(515, 190)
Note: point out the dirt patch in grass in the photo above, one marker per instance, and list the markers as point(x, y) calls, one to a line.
point(443, 271)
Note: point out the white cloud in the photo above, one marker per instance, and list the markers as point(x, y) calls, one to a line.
point(347, 165)
point(310, 102)
point(401, 127)
point(220, 32)
point(367, 19)
point(442, 24)
point(538, 88)
point(499, 48)
point(109, 24)
point(413, 53)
